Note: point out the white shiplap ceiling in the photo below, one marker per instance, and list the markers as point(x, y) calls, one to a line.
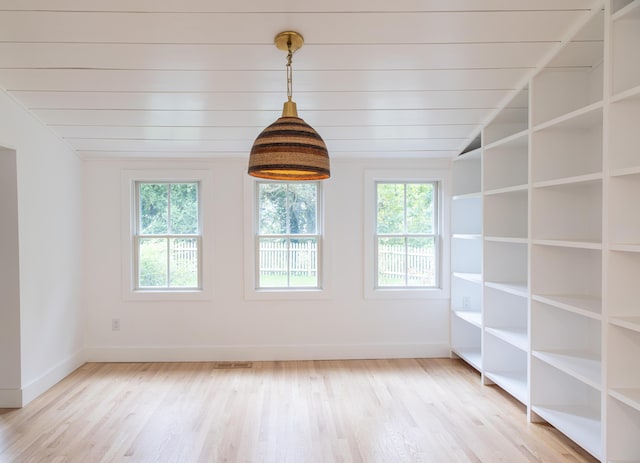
point(201, 78)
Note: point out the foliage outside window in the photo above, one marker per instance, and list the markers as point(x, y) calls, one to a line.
point(406, 241)
point(167, 238)
point(288, 237)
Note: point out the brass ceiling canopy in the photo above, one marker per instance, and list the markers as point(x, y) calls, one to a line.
point(289, 149)
point(289, 40)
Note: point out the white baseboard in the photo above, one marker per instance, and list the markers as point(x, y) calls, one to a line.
point(52, 376)
point(10, 398)
point(258, 353)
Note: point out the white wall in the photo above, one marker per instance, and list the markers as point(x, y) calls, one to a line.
point(230, 326)
point(49, 183)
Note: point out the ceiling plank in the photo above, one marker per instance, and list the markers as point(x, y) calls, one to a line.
point(285, 6)
point(461, 99)
point(260, 28)
point(404, 144)
point(269, 81)
point(329, 132)
point(266, 57)
point(259, 118)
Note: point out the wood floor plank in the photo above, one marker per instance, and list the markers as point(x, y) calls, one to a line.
point(409, 410)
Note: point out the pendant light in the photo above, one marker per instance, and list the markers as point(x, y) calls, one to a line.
point(289, 149)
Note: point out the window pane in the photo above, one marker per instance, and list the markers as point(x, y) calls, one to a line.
point(302, 208)
point(272, 199)
point(420, 208)
point(287, 209)
point(153, 208)
point(183, 264)
point(390, 208)
point(152, 263)
point(184, 208)
point(273, 262)
point(391, 262)
point(303, 262)
point(421, 262)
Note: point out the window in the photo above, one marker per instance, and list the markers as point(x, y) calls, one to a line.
point(288, 235)
point(167, 236)
point(406, 235)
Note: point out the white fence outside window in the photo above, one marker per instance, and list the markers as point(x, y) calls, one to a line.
point(274, 257)
point(420, 263)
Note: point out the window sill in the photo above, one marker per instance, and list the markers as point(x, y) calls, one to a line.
point(166, 295)
point(281, 294)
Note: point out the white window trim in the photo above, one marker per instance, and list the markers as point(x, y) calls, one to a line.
point(251, 290)
point(371, 178)
point(129, 179)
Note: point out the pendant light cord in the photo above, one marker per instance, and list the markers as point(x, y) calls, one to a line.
point(289, 72)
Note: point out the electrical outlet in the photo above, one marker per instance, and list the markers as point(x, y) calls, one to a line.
point(466, 302)
point(115, 324)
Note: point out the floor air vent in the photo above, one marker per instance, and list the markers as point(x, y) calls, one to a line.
point(231, 365)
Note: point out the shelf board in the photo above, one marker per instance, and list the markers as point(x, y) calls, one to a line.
point(582, 365)
point(630, 323)
point(506, 239)
point(572, 117)
point(466, 236)
point(509, 189)
point(628, 396)
point(473, 195)
point(580, 244)
point(518, 139)
point(470, 355)
point(576, 179)
point(587, 306)
point(514, 382)
point(474, 318)
point(472, 277)
point(624, 247)
point(515, 335)
point(624, 171)
point(579, 423)
point(629, 94)
point(630, 11)
point(512, 287)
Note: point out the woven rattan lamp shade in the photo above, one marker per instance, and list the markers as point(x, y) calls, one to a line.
point(289, 149)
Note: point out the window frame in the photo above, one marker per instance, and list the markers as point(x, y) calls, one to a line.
point(251, 265)
point(137, 236)
point(435, 235)
point(288, 237)
point(439, 174)
point(130, 208)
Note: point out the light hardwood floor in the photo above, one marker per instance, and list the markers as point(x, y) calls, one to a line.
point(431, 410)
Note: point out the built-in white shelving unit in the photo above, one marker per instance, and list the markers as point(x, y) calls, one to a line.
point(466, 259)
point(506, 203)
point(558, 289)
point(622, 295)
point(566, 238)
